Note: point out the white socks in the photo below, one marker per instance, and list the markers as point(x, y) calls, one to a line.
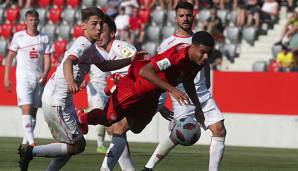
point(161, 150)
point(125, 161)
point(216, 151)
point(100, 135)
point(28, 125)
point(50, 150)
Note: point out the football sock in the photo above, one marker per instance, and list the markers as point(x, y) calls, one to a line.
point(160, 152)
point(25, 141)
point(114, 152)
point(50, 150)
point(57, 163)
point(95, 117)
point(216, 151)
point(100, 135)
point(28, 128)
point(125, 161)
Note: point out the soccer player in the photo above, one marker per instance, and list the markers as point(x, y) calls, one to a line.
point(57, 103)
point(32, 51)
point(110, 49)
point(135, 100)
point(213, 117)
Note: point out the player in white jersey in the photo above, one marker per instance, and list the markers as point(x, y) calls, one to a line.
point(58, 108)
point(214, 120)
point(110, 49)
point(32, 51)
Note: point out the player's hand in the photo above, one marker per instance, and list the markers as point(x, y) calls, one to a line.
point(112, 82)
point(83, 84)
point(7, 84)
point(166, 113)
point(199, 114)
point(72, 87)
point(180, 96)
point(43, 79)
point(140, 55)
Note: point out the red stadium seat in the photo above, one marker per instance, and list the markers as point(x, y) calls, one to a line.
point(77, 31)
point(73, 3)
point(12, 14)
point(19, 27)
point(44, 3)
point(55, 14)
point(59, 48)
point(6, 30)
point(145, 15)
point(59, 3)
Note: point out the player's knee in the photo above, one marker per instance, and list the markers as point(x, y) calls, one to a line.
point(218, 129)
point(78, 147)
point(119, 130)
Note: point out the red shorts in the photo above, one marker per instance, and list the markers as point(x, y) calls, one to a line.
point(124, 102)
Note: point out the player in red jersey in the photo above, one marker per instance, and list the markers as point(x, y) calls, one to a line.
point(135, 100)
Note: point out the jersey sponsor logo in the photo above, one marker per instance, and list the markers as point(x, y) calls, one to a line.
point(33, 53)
point(126, 53)
point(163, 64)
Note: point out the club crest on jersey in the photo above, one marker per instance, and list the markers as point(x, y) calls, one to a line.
point(163, 64)
point(126, 53)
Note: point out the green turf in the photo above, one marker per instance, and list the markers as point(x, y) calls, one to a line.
point(193, 158)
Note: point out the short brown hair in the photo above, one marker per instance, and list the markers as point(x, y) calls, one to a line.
point(32, 12)
point(92, 11)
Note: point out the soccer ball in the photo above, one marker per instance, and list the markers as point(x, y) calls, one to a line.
point(185, 131)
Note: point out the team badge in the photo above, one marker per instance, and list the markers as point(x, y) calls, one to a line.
point(163, 64)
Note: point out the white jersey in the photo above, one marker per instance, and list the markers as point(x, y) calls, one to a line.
point(56, 92)
point(200, 80)
point(30, 54)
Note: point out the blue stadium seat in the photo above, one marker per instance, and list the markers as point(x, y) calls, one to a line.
point(150, 47)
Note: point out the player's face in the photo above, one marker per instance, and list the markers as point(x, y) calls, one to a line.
point(105, 37)
point(31, 22)
point(200, 53)
point(184, 18)
point(93, 28)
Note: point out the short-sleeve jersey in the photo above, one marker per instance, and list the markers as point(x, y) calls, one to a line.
point(200, 80)
point(56, 92)
point(30, 53)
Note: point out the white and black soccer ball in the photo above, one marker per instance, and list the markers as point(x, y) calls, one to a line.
point(185, 131)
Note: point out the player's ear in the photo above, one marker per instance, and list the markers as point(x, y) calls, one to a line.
point(83, 25)
point(113, 34)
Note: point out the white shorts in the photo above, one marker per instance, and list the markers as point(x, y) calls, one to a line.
point(211, 112)
point(29, 92)
point(63, 123)
point(96, 96)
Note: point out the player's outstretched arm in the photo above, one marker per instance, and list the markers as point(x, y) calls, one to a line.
point(110, 65)
point(7, 81)
point(68, 74)
point(149, 73)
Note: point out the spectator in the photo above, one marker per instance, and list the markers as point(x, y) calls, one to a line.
point(286, 59)
point(269, 12)
point(136, 27)
point(112, 8)
point(214, 26)
point(122, 24)
point(289, 29)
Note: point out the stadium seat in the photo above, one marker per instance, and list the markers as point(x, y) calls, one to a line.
point(144, 14)
point(203, 15)
point(22, 14)
point(230, 51)
point(3, 47)
point(44, 3)
point(260, 66)
point(50, 29)
point(19, 27)
point(59, 49)
point(55, 14)
point(6, 30)
point(167, 31)
point(73, 3)
point(87, 3)
point(59, 3)
point(69, 14)
point(78, 15)
point(12, 14)
point(153, 33)
point(150, 47)
point(101, 3)
point(223, 14)
point(64, 30)
point(77, 31)
point(249, 34)
point(275, 49)
point(233, 34)
point(2, 13)
point(171, 16)
point(42, 15)
point(233, 16)
point(158, 16)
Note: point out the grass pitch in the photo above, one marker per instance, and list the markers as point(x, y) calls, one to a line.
point(194, 158)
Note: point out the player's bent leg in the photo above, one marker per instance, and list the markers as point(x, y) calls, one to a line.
point(101, 149)
point(57, 163)
point(217, 145)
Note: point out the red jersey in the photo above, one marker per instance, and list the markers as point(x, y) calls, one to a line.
point(172, 66)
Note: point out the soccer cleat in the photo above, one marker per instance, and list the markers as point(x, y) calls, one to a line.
point(147, 169)
point(83, 120)
point(101, 150)
point(25, 152)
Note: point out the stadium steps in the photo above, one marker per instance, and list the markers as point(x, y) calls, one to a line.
point(261, 51)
